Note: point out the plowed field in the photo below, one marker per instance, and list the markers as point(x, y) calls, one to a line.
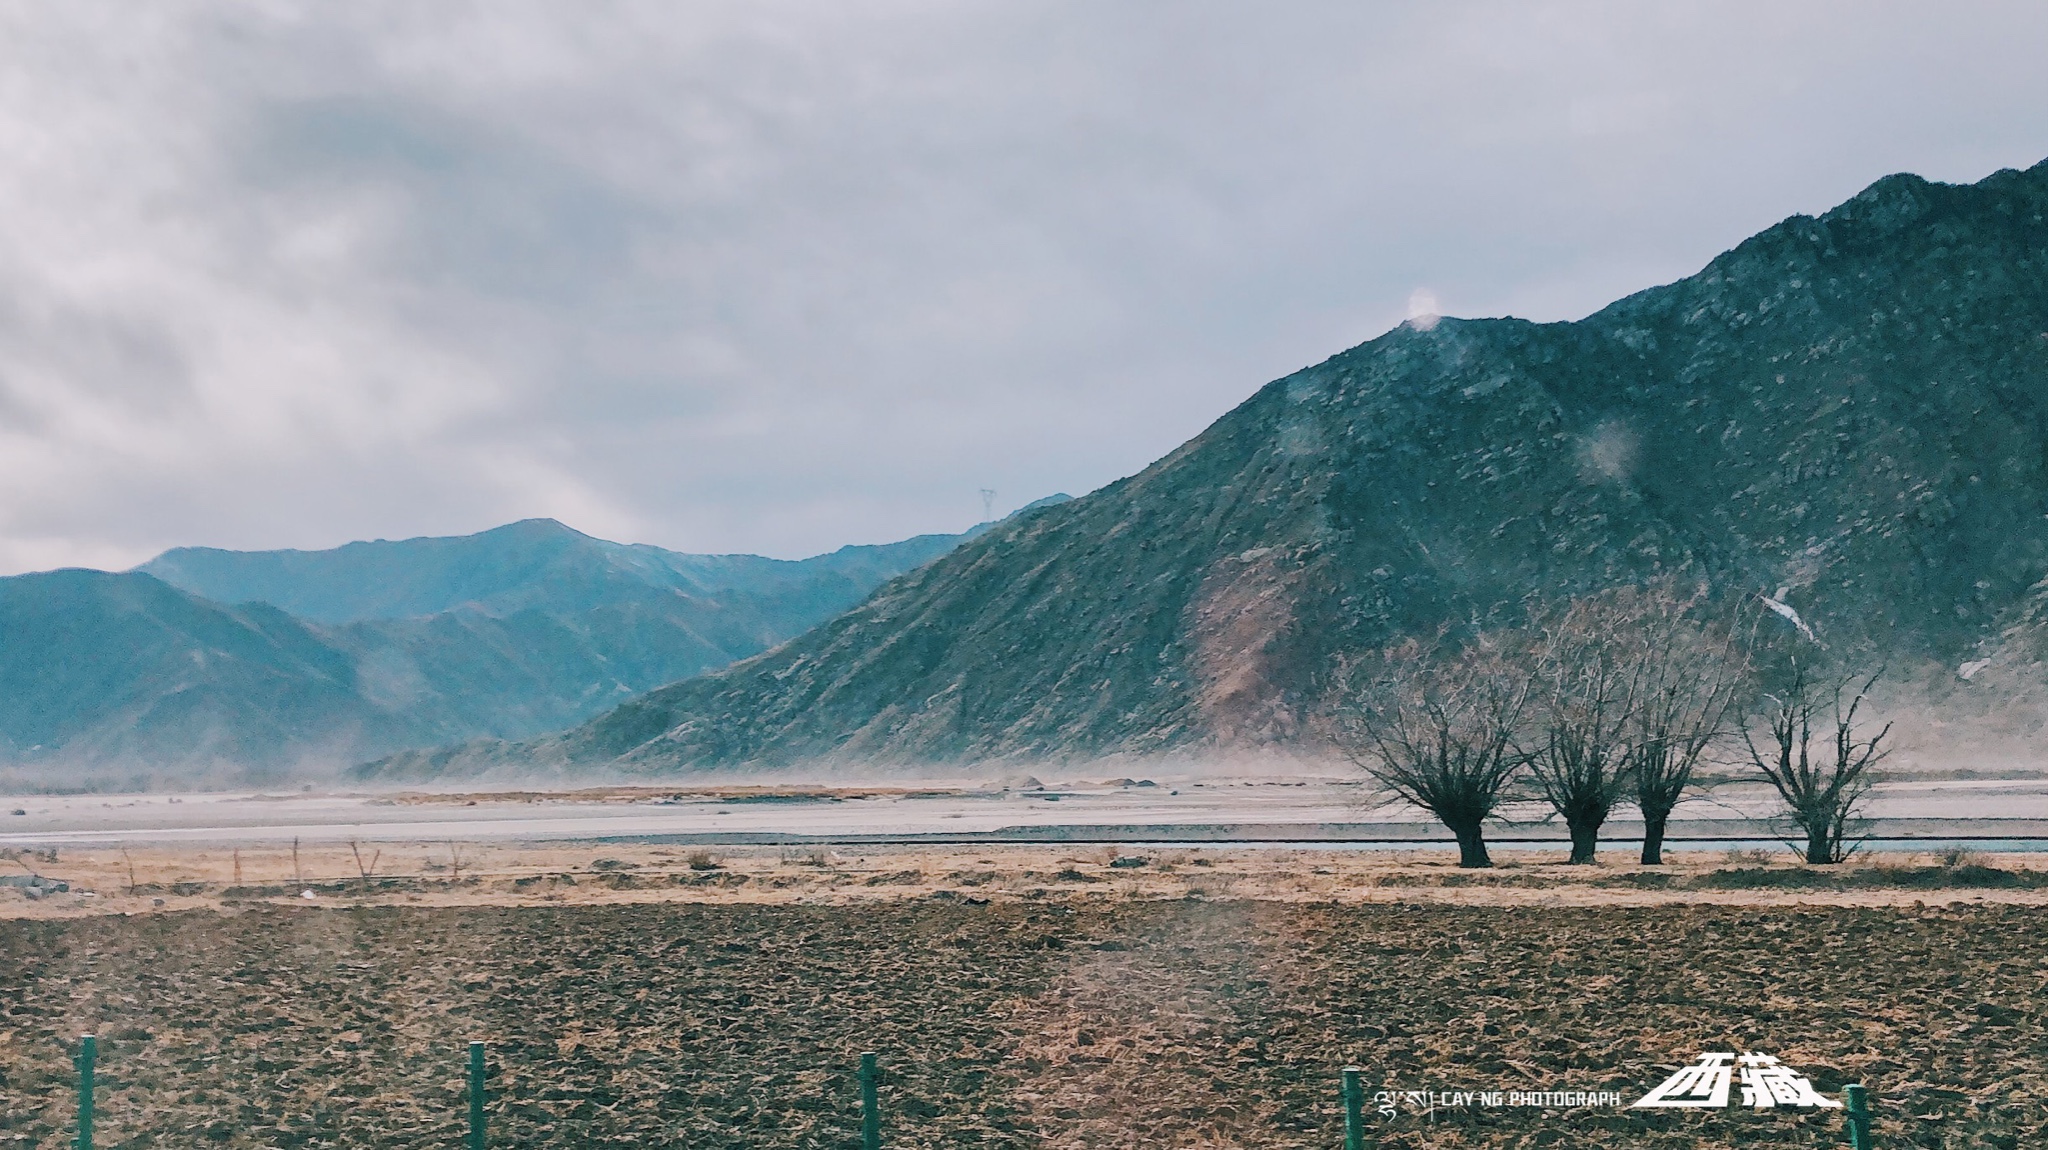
point(1177, 1023)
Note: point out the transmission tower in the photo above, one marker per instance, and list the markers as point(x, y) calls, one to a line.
point(988, 504)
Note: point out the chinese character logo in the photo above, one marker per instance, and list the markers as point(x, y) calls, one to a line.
point(1766, 1082)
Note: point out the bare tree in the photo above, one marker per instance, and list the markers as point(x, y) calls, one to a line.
point(1692, 674)
point(1821, 796)
point(1588, 667)
point(1437, 727)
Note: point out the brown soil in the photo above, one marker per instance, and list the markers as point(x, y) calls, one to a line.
point(1096, 1013)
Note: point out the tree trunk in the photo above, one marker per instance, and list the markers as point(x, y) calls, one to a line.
point(1585, 842)
point(1472, 846)
point(1653, 837)
point(1820, 847)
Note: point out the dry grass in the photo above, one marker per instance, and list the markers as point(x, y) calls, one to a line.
point(577, 874)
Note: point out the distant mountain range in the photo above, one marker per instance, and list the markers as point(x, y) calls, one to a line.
point(540, 565)
point(1852, 407)
point(102, 670)
point(211, 663)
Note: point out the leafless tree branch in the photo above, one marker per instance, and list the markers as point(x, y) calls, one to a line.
point(1436, 725)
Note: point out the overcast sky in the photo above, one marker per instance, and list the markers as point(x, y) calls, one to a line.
point(778, 277)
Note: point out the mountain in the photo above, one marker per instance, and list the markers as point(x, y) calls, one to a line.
point(101, 668)
point(1852, 407)
point(537, 564)
point(533, 626)
point(331, 656)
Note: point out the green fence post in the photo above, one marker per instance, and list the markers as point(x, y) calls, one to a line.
point(88, 1053)
point(476, 1096)
point(1354, 1110)
point(1858, 1115)
point(870, 1106)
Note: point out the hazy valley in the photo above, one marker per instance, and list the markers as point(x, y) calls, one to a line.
point(209, 666)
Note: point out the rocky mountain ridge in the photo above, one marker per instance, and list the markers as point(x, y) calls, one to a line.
point(1853, 408)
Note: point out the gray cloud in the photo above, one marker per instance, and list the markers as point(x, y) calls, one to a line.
point(777, 277)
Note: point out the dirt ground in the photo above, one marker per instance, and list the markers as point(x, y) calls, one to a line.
point(158, 879)
point(1027, 997)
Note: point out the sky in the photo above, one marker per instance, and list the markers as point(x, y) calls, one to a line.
point(777, 277)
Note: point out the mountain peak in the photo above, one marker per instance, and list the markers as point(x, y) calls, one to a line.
point(1887, 206)
point(531, 529)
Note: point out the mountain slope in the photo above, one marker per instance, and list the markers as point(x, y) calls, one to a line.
point(516, 631)
point(123, 669)
point(533, 626)
point(1853, 407)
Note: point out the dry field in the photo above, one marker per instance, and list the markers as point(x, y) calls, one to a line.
point(639, 996)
